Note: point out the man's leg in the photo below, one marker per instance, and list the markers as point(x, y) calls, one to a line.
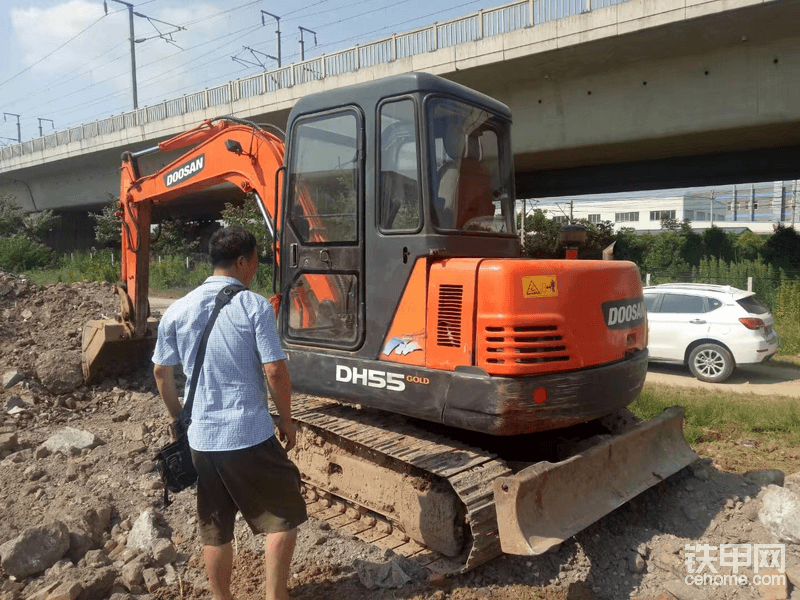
point(278, 551)
point(219, 565)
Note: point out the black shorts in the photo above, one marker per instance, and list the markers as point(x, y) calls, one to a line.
point(260, 482)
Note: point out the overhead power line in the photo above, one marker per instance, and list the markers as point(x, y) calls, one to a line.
point(73, 38)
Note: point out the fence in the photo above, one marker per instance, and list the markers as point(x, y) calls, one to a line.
point(485, 23)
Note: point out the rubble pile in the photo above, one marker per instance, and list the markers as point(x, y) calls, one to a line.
point(83, 514)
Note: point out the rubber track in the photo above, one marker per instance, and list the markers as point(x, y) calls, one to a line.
point(470, 471)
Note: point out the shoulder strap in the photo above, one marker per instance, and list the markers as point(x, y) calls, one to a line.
point(223, 297)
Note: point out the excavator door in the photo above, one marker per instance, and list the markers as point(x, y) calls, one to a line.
point(322, 248)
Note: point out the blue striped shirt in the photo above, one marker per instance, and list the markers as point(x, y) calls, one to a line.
point(229, 410)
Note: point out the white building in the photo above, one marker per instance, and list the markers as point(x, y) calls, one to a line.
point(755, 207)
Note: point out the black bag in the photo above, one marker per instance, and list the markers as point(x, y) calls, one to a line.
point(174, 461)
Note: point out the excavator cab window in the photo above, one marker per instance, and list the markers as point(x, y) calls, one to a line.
point(470, 167)
point(400, 197)
point(324, 179)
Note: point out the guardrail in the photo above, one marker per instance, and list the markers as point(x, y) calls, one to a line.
point(482, 24)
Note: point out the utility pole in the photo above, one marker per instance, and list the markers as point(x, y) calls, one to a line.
point(302, 43)
point(52, 125)
point(19, 129)
point(794, 200)
point(571, 204)
point(734, 204)
point(277, 33)
point(711, 218)
point(133, 48)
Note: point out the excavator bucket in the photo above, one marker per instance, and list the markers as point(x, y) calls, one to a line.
point(108, 349)
point(546, 503)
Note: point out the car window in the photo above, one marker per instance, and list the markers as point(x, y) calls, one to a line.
point(713, 304)
point(680, 303)
point(650, 301)
point(753, 306)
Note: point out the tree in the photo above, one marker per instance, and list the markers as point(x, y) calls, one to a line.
point(249, 216)
point(14, 221)
point(748, 245)
point(541, 236)
point(107, 227)
point(21, 246)
point(782, 249)
point(717, 244)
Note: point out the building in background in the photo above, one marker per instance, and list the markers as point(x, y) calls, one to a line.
point(758, 207)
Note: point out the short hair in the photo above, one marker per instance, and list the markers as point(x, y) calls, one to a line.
point(228, 244)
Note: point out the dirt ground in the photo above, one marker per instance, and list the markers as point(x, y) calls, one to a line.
point(637, 551)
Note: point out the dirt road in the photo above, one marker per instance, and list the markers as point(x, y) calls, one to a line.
point(765, 379)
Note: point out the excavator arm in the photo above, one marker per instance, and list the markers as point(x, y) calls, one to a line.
point(222, 151)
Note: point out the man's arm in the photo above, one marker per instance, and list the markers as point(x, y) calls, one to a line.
point(280, 387)
point(165, 380)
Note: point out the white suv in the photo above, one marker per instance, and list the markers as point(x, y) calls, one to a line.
point(710, 328)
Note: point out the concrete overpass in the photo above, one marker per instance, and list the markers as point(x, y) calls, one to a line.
point(643, 94)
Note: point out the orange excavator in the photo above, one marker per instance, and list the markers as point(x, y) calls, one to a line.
point(455, 401)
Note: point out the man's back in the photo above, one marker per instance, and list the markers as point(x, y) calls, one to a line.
point(229, 410)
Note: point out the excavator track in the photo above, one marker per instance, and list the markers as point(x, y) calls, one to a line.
point(404, 448)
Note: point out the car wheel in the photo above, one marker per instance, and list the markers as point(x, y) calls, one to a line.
point(710, 362)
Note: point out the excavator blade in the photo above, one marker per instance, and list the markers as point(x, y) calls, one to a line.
point(108, 349)
point(546, 503)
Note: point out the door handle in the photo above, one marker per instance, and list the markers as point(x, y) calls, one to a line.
point(293, 255)
point(697, 322)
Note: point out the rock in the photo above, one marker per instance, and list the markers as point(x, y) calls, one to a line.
point(793, 575)
point(132, 574)
point(151, 580)
point(144, 531)
point(35, 549)
point(170, 575)
point(79, 543)
point(97, 583)
point(8, 441)
point(69, 590)
point(59, 371)
point(750, 511)
point(636, 563)
point(777, 588)
point(671, 563)
point(70, 441)
point(701, 469)
point(96, 559)
point(12, 378)
point(26, 314)
point(765, 477)
point(437, 579)
point(15, 402)
point(41, 452)
point(681, 591)
point(43, 593)
point(780, 514)
point(164, 551)
point(121, 415)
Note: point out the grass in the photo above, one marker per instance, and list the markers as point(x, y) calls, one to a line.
point(740, 432)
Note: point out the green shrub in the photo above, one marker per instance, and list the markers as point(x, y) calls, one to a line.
point(19, 253)
point(787, 317)
point(171, 274)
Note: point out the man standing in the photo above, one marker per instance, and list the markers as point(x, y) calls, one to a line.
point(240, 464)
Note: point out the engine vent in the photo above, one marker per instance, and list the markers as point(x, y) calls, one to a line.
point(448, 327)
point(525, 345)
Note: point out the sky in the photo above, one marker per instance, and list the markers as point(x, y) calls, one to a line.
point(70, 62)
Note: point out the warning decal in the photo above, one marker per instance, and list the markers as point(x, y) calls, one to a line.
point(539, 286)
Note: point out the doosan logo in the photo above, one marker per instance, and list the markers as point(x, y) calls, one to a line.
point(185, 171)
point(623, 314)
point(370, 378)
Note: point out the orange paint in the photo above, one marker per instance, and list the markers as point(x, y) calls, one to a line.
point(408, 324)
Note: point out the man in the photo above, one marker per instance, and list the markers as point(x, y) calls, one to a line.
point(240, 464)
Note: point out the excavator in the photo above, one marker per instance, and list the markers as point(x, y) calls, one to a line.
point(455, 401)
